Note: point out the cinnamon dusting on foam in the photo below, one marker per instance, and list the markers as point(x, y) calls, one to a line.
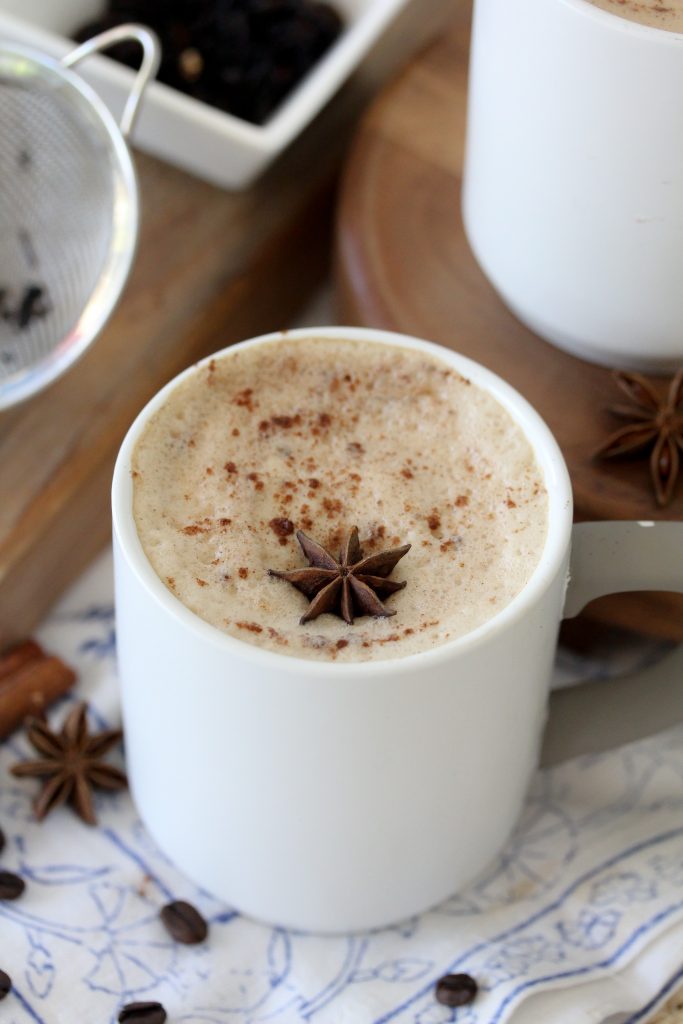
point(320, 436)
point(664, 14)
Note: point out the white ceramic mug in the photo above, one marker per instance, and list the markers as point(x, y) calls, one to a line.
point(573, 183)
point(336, 797)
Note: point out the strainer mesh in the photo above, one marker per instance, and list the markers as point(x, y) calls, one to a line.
point(57, 193)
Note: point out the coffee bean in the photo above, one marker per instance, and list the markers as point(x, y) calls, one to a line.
point(142, 1013)
point(184, 922)
point(11, 886)
point(455, 990)
point(5, 984)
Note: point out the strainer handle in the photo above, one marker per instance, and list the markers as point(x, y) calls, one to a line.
point(151, 55)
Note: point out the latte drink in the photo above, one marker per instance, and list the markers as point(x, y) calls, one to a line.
point(322, 435)
point(665, 14)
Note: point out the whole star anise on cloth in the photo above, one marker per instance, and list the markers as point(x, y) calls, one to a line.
point(656, 425)
point(70, 764)
point(347, 585)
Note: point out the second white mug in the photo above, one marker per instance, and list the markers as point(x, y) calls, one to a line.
point(573, 184)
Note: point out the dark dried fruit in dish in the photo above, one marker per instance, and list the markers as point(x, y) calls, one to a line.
point(242, 56)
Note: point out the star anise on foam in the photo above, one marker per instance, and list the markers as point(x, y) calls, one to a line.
point(347, 585)
point(70, 764)
point(656, 424)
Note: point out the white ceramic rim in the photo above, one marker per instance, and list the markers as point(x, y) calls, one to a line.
point(655, 34)
point(548, 454)
point(105, 296)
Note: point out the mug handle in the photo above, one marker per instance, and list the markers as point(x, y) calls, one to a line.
point(151, 58)
point(613, 557)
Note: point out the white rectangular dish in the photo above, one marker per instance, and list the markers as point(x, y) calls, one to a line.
point(215, 146)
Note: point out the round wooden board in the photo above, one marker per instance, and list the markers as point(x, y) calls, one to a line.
point(403, 263)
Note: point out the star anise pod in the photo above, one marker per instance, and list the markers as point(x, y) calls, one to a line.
point(70, 764)
point(347, 585)
point(656, 425)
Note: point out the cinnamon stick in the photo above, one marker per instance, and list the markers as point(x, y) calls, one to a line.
point(11, 661)
point(30, 687)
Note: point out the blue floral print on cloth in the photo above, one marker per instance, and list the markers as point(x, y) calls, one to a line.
point(581, 917)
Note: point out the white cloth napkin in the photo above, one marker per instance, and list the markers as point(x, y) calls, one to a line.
point(581, 917)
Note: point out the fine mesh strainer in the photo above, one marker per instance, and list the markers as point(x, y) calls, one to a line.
point(68, 208)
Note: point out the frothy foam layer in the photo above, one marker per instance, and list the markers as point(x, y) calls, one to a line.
point(664, 14)
point(321, 436)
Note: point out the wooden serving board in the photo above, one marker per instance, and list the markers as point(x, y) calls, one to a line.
point(403, 263)
point(212, 267)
